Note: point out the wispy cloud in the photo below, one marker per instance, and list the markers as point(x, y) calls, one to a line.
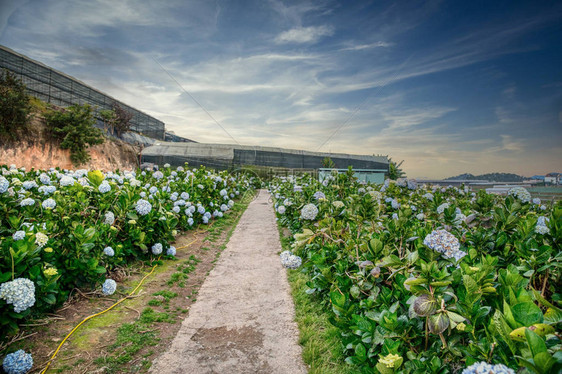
point(301, 35)
point(361, 47)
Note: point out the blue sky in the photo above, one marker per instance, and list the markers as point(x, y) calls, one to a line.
point(447, 86)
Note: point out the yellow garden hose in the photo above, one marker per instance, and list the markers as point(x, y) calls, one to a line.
point(104, 311)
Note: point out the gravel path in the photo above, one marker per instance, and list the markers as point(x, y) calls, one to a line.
point(243, 320)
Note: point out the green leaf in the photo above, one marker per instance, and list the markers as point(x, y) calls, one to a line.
point(544, 361)
point(438, 323)
point(470, 284)
point(527, 313)
point(337, 299)
point(535, 342)
point(361, 352)
point(354, 291)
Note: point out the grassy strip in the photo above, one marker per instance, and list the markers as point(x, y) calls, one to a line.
point(143, 333)
point(320, 340)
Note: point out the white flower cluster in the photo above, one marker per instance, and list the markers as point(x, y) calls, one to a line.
point(20, 292)
point(486, 368)
point(428, 196)
point(109, 218)
point(108, 251)
point(309, 212)
point(521, 194)
point(445, 243)
point(27, 202)
point(158, 175)
point(441, 208)
point(67, 181)
point(49, 204)
point(290, 261)
point(281, 209)
point(41, 239)
point(47, 190)
point(171, 251)
point(109, 287)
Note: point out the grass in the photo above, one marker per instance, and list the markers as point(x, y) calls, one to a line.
point(322, 349)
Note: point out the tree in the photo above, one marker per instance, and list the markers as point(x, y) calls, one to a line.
point(74, 127)
point(328, 163)
point(122, 119)
point(394, 170)
point(15, 105)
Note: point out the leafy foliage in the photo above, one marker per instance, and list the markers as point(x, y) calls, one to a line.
point(394, 170)
point(117, 120)
point(74, 127)
point(15, 105)
point(402, 307)
point(76, 231)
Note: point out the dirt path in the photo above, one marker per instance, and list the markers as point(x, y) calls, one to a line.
point(243, 320)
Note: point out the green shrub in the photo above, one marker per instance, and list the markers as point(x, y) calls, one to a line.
point(74, 127)
point(14, 105)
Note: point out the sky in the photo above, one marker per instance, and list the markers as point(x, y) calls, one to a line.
point(446, 86)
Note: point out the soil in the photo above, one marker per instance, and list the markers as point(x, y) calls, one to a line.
point(94, 339)
point(243, 320)
point(36, 150)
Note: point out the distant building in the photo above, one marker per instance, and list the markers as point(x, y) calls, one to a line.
point(538, 178)
point(553, 178)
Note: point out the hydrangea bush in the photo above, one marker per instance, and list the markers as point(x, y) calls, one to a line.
point(62, 229)
point(423, 279)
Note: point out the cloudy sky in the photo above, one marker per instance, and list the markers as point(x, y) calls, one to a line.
point(447, 86)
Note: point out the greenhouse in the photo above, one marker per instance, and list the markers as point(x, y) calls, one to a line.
point(57, 88)
point(224, 156)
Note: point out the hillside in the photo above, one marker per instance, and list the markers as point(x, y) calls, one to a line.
point(35, 150)
point(491, 177)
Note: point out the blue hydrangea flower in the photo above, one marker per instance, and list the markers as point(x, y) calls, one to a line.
point(174, 196)
point(485, 368)
point(27, 202)
point(171, 251)
point(184, 196)
point(158, 175)
point(223, 192)
point(4, 184)
point(395, 204)
point(109, 287)
point(319, 195)
point(29, 185)
point(157, 248)
point(47, 190)
point(104, 187)
point(20, 292)
point(18, 235)
point(18, 362)
point(290, 261)
point(445, 243)
point(224, 207)
point(205, 220)
point(201, 210)
point(153, 189)
point(44, 178)
point(49, 204)
point(108, 251)
point(143, 207)
point(190, 221)
point(520, 193)
point(176, 209)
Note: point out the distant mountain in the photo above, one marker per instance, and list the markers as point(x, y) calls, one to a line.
point(491, 177)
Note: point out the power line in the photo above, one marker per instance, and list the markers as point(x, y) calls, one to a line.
point(196, 102)
point(398, 70)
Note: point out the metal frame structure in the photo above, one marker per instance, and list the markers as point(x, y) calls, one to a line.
point(57, 88)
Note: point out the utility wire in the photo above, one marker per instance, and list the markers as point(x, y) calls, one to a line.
point(196, 102)
point(346, 122)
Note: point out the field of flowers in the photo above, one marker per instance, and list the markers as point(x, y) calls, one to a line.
point(430, 280)
point(61, 230)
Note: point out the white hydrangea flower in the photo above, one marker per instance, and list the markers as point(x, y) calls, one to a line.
point(41, 239)
point(309, 212)
point(445, 243)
